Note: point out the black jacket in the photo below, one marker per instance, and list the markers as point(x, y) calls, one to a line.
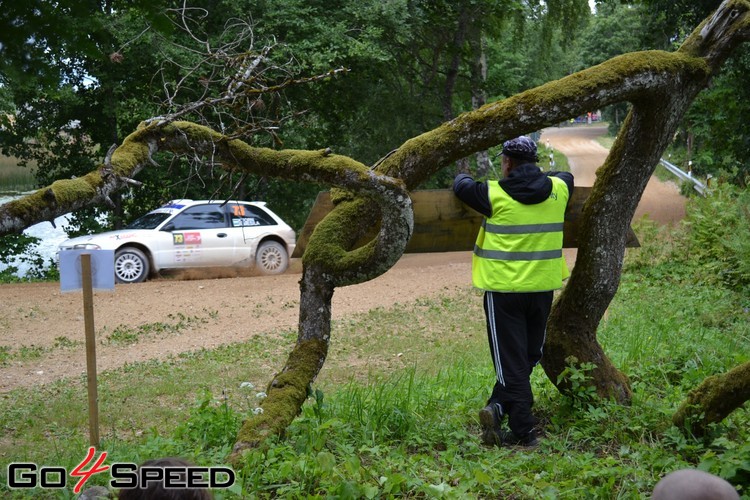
point(526, 184)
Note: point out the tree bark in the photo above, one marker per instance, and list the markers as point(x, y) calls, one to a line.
point(713, 400)
point(465, 21)
point(620, 182)
point(478, 81)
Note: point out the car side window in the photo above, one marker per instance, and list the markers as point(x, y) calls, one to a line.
point(200, 217)
point(248, 216)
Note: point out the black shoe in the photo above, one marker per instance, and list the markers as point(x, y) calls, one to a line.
point(490, 418)
point(530, 440)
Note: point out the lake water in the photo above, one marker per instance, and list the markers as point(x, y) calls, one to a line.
point(50, 236)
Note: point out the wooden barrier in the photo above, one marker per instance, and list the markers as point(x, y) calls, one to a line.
point(442, 223)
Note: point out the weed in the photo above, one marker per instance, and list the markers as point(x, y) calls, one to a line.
point(5, 354)
point(27, 353)
point(579, 381)
point(63, 342)
point(126, 335)
point(212, 424)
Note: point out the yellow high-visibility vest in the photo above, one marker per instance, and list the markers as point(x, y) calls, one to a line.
point(519, 248)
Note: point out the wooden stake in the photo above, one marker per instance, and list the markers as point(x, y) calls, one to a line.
point(88, 316)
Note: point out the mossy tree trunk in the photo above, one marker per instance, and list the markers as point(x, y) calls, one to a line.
point(713, 400)
point(618, 188)
point(660, 86)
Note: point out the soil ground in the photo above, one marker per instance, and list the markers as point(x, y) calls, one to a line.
point(42, 330)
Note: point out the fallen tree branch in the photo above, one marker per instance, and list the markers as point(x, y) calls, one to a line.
point(713, 400)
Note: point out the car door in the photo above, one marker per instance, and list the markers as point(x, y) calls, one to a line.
point(252, 223)
point(201, 237)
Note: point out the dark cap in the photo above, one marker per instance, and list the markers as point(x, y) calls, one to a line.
point(522, 148)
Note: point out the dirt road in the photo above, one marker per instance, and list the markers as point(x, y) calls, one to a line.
point(42, 330)
point(661, 201)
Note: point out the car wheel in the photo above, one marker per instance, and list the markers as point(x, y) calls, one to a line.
point(271, 258)
point(131, 265)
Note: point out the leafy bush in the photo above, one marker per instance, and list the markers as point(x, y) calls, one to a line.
point(718, 238)
point(16, 249)
point(712, 246)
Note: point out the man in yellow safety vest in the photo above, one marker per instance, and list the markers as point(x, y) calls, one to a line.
point(518, 262)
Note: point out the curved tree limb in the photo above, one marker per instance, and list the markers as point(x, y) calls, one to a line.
point(622, 78)
point(619, 79)
point(713, 400)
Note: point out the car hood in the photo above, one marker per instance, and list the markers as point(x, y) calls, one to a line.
point(110, 239)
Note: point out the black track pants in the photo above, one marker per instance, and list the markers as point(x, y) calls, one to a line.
point(516, 327)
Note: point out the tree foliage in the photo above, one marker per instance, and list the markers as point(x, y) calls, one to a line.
point(714, 134)
point(717, 127)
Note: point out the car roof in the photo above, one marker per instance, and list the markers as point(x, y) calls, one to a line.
point(185, 202)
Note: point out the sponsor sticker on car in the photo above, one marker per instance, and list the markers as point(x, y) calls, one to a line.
point(186, 238)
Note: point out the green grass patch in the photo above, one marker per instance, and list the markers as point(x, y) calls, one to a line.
point(127, 335)
point(558, 162)
point(394, 411)
point(14, 178)
point(121, 335)
point(606, 141)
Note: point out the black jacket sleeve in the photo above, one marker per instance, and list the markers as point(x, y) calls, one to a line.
point(474, 194)
point(567, 177)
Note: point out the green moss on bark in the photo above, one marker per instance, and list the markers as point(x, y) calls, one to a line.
point(76, 190)
point(286, 394)
point(331, 238)
point(713, 400)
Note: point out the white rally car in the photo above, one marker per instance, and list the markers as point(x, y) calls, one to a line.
point(187, 234)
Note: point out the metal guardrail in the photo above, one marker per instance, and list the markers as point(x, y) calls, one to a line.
point(699, 186)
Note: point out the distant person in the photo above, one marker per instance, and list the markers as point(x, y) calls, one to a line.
point(693, 484)
point(518, 262)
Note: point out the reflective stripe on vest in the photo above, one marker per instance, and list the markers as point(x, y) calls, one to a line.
point(527, 257)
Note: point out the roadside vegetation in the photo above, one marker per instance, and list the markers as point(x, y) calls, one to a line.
point(14, 178)
point(394, 412)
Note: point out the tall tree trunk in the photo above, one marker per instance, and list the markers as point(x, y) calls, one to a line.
point(575, 316)
point(478, 81)
point(620, 182)
point(452, 72)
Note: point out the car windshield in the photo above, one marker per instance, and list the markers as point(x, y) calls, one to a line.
point(148, 221)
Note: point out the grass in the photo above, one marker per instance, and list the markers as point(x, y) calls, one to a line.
point(126, 335)
point(393, 412)
point(121, 335)
point(14, 178)
point(560, 160)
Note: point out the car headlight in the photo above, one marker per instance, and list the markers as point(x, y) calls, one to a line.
point(87, 246)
